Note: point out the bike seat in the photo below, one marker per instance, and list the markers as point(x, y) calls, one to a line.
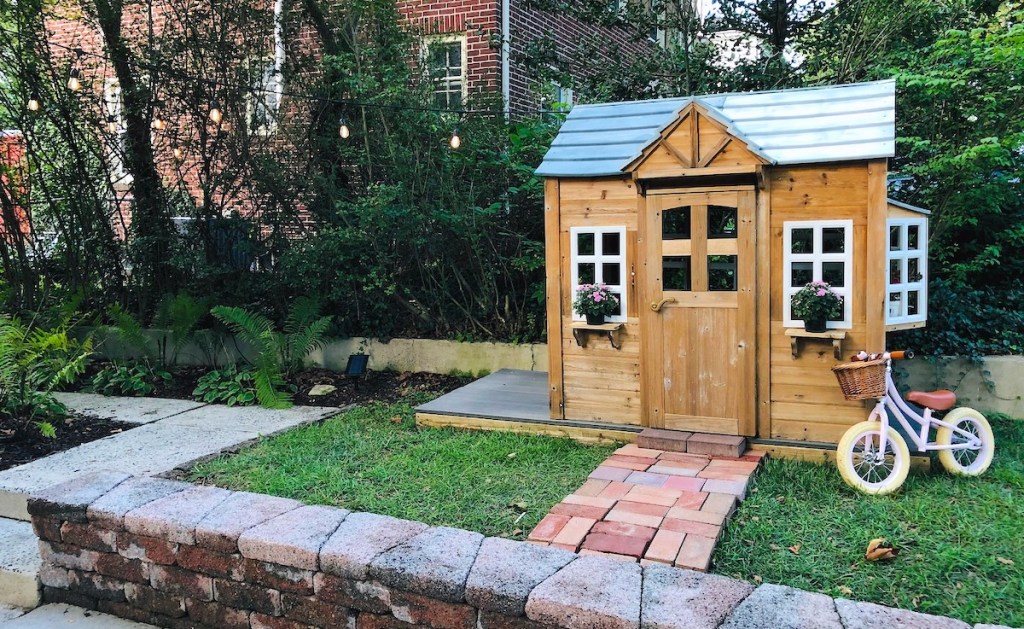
point(941, 400)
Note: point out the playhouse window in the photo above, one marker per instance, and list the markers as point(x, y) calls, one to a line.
point(818, 251)
point(907, 271)
point(599, 257)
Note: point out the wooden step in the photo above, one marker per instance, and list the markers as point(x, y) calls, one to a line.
point(694, 443)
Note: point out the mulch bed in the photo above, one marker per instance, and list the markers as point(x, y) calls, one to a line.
point(381, 386)
point(76, 430)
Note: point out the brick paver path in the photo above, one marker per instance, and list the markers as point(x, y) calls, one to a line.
point(650, 506)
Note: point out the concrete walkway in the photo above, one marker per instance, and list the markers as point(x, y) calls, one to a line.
point(171, 434)
point(651, 506)
point(65, 616)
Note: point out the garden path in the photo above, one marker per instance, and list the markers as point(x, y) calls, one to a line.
point(651, 506)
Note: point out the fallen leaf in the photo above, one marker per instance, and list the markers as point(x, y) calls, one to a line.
point(774, 546)
point(795, 549)
point(879, 549)
point(845, 590)
point(758, 579)
point(396, 419)
point(510, 455)
point(1004, 561)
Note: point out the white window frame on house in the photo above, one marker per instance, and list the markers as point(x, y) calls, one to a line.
point(113, 107)
point(896, 310)
point(599, 259)
point(816, 258)
point(263, 93)
point(447, 80)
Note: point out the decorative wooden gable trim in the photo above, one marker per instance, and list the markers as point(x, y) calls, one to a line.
point(695, 144)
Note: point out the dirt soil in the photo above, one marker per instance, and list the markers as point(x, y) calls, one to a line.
point(76, 430)
point(382, 386)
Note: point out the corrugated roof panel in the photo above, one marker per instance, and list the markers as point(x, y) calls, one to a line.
point(808, 125)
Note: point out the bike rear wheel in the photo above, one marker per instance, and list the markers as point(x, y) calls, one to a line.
point(864, 467)
point(966, 461)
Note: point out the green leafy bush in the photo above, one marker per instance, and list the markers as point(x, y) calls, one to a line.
point(227, 386)
point(130, 379)
point(34, 361)
point(278, 353)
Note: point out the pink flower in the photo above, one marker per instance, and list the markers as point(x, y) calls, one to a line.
point(598, 297)
point(821, 292)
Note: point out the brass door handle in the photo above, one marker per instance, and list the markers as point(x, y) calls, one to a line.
point(656, 307)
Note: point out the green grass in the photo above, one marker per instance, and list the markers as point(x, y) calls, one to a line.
point(374, 458)
point(961, 539)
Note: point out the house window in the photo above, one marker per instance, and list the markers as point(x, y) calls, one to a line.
point(445, 63)
point(599, 257)
point(907, 271)
point(818, 251)
point(263, 102)
point(117, 133)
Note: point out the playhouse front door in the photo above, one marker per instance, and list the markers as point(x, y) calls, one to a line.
point(699, 332)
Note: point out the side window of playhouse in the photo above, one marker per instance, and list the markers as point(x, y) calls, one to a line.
point(907, 271)
point(817, 251)
point(599, 257)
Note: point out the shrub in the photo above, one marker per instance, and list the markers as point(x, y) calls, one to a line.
point(34, 361)
point(278, 353)
point(227, 386)
point(130, 379)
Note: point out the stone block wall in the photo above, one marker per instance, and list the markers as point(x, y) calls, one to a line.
point(176, 555)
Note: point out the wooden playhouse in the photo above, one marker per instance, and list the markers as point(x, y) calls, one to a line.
point(705, 215)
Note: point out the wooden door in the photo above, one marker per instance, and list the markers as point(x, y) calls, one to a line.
point(699, 331)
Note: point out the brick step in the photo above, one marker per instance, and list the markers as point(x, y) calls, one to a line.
point(694, 443)
point(19, 564)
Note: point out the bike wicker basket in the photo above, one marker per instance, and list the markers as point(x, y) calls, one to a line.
point(861, 380)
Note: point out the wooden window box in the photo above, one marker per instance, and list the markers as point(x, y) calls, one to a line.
point(835, 336)
point(580, 332)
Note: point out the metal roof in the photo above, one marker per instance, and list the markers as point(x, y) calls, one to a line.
point(907, 206)
point(797, 126)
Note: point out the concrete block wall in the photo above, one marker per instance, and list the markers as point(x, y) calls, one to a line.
point(176, 555)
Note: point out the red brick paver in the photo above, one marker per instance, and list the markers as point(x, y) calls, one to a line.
point(652, 506)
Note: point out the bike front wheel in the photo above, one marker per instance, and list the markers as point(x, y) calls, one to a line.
point(865, 467)
point(966, 461)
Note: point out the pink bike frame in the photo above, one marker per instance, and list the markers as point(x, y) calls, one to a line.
point(904, 414)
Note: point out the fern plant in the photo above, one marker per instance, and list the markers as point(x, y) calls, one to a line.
point(34, 361)
point(278, 353)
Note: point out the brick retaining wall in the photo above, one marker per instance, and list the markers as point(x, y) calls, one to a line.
point(178, 555)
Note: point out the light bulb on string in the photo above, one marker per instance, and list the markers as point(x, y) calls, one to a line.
point(343, 129)
point(112, 125)
point(216, 115)
point(34, 104)
point(178, 153)
point(158, 124)
point(74, 80)
point(456, 141)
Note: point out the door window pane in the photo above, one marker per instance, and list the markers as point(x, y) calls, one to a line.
point(803, 273)
point(675, 273)
point(675, 224)
point(611, 273)
point(914, 270)
point(912, 302)
point(895, 271)
point(833, 240)
point(722, 273)
point(721, 222)
point(834, 273)
point(585, 244)
point(894, 238)
point(803, 241)
point(913, 237)
point(610, 246)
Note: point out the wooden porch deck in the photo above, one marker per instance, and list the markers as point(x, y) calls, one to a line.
point(516, 401)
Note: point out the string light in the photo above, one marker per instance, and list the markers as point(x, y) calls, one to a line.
point(456, 141)
point(178, 153)
point(158, 123)
point(74, 80)
point(112, 125)
point(216, 115)
point(33, 101)
point(343, 129)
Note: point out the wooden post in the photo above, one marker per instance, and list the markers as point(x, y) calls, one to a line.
point(875, 265)
point(764, 316)
point(553, 294)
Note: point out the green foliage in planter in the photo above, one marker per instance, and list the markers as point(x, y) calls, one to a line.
point(278, 353)
point(227, 386)
point(594, 300)
point(128, 379)
point(34, 361)
point(817, 301)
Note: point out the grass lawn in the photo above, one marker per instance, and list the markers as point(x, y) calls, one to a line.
point(961, 540)
point(374, 458)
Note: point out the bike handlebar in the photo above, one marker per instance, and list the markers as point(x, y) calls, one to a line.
point(903, 354)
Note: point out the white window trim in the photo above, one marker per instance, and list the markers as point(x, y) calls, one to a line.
point(429, 40)
point(260, 93)
point(904, 286)
point(113, 106)
point(788, 258)
point(597, 260)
